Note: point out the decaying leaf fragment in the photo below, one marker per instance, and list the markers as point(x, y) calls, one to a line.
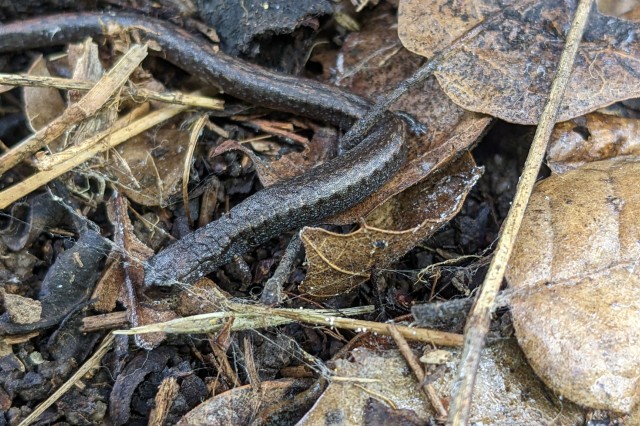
point(506, 70)
point(41, 104)
point(243, 404)
point(131, 275)
point(340, 262)
point(575, 279)
point(590, 138)
point(148, 167)
point(508, 391)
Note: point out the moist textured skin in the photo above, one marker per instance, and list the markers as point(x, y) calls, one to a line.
point(306, 199)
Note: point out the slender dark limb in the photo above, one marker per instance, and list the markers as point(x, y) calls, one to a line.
point(375, 114)
point(272, 294)
point(362, 126)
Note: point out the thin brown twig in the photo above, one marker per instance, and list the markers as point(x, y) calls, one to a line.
point(480, 317)
point(415, 366)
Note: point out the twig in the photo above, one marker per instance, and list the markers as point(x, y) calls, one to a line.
point(249, 317)
point(91, 363)
point(91, 102)
point(418, 371)
point(44, 161)
point(104, 321)
point(167, 392)
point(480, 318)
point(139, 94)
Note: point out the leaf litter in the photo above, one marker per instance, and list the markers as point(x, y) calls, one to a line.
point(476, 128)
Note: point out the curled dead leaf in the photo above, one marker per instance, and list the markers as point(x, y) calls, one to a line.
point(340, 262)
point(239, 405)
point(576, 284)
point(148, 167)
point(41, 104)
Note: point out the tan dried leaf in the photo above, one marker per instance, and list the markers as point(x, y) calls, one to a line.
point(592, 137)
point(627, 9)
point(148, 167)
point(504, 378)
point(285, 167)
point(41, 104)
point(576, 284)
point(340, 262)
point(506, 70)
point(383, 375)
point(240, 405)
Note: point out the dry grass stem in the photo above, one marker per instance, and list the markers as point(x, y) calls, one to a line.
point(111, 140)
point(249, 317)
point(138, 94)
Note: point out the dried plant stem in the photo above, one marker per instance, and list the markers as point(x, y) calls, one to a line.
point(480, 317)
point(418, 371)
point(93, 362)
point(90, 103)
point(139, 94)
point(252, 317)
point(111, 140)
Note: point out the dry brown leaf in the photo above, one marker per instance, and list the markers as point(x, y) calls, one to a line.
point(383, 375)
point(84, 61)
point(506, 70)
point(508, 393)
point(592, 137)
point(240, 405)
point(290, 165)
point(627, 9)
point(339, 263)
point(148, 167)
point(576, 284)
point(107, 290)
point(41, 104)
